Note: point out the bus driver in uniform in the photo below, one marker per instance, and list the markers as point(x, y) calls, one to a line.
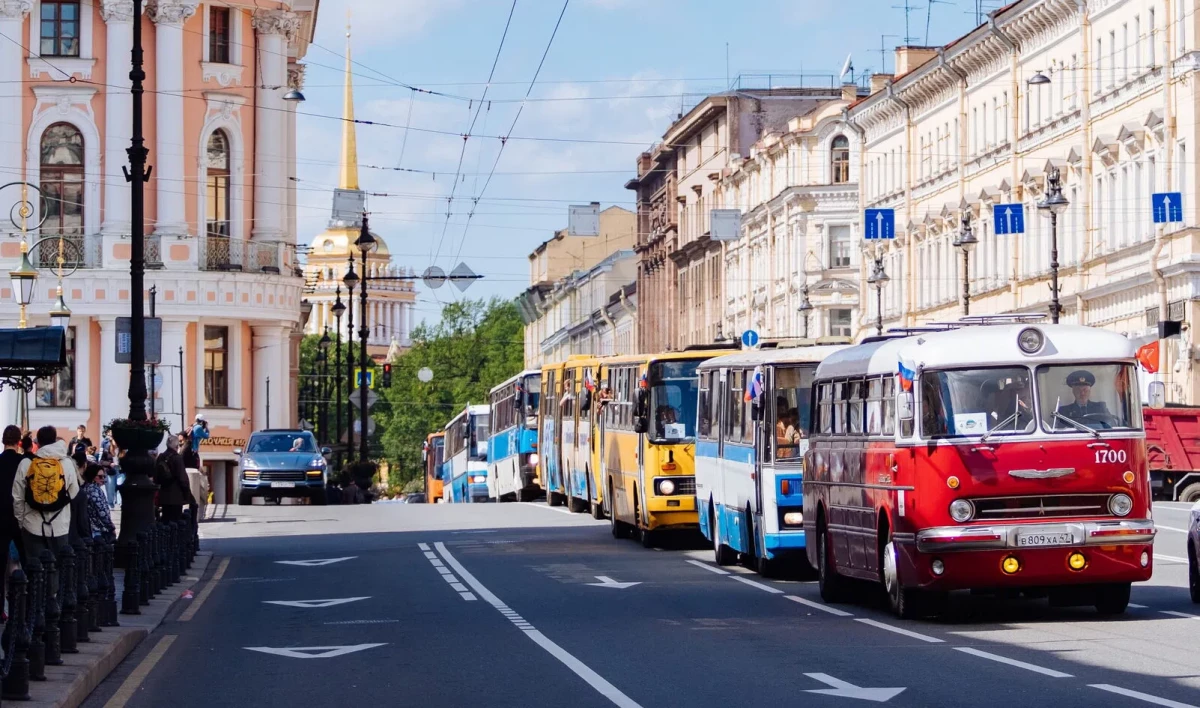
point(1081, 383)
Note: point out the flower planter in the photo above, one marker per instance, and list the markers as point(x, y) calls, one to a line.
point(137, 438)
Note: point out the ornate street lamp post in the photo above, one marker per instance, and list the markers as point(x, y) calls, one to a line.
point(350, 280)
point(323, 386)
point(338, 309)
point(805, 307)
point(366, 244)
point(966, 241)
point(1053, 205)
point(877, 278)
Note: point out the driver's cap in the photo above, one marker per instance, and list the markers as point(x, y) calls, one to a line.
point(1081, 378)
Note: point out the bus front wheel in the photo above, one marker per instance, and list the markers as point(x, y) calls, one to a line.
point(722, 554)
point(831, 585)
point(620, 529)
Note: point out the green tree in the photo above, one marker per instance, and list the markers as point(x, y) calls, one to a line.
point(317, 388)
point(476, 345)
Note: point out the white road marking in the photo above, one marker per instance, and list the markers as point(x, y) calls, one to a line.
point(1146, 697)
point(845, 689)
point(314, 562)
point(818, 606)
point(423, 546)
point(322, 652)
point(363, 622)
point(468, 596)
point(709, 568)
point(1169, 528)
point(559, 509)
point(760, 586)
point(315, 604)
point(1175, 506)
point(431, 555)
point(898, 630)
point(459, 587)
point(595, 680)
point(1136, 606)
point(1013, 662)
point(436, 563)
point(444, 571)
point(1180, 614)
point(446, 574)
point(1171, 559)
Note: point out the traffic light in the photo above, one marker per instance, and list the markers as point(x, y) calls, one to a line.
point(387, 375)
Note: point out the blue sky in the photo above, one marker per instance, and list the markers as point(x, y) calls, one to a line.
point(618, 71)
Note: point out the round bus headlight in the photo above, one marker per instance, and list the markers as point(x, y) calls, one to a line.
point(1120, 504)
point(961, 510)
point(666, 487)
point(793, 518)
point(480, 479)
point(1030, 340)
point(533, 459)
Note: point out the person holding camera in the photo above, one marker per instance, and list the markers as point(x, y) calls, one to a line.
point(199, 432)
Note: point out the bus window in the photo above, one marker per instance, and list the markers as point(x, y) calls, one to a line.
point(825, 408)
point(974, 402)
point(533, 399)
point(854, 416)
point(704, 414)
point(792, 391)
point(481, 430)
point(1098, 396)
point(733, 417)
point(874, 406)
point(889, 406)
point(673, 399)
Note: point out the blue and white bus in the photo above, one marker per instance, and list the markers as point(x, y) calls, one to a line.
point(512, 448)
point(465, 472)
point(751, 436)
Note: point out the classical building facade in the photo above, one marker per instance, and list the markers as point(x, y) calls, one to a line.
point(793, 271)
point(220, 209)
point(963, 129)
point(579, 299)
point(390, 299)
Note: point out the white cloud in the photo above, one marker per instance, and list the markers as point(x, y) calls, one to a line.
point(383, 21)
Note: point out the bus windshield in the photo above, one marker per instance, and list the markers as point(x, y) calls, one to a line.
point(673, 400)
point(533, 399)
point(479, 436)
point(976, 401)
point(1096, 396)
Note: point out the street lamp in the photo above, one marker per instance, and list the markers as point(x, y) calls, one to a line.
point(366, 244)
point(350, 280)
point(23, 278)
point(805, 307)
point(338, 309)
point(966, 241)
point(1053, 205)
point(320, 371)
point(60, 314)
point(1038, 79)
point(294, 96)
point(877, 278)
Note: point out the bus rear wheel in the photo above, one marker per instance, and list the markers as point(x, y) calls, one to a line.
point(620, 529)
point(597, 510)
point(722, 554)
point(831, 585)
point(1112, 599)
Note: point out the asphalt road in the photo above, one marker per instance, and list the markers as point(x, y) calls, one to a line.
point(524, 605)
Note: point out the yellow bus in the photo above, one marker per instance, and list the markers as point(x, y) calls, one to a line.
point(646, 440)
point(565, 434)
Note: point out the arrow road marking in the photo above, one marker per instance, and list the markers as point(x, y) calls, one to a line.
point(607, 582)
point(844, 689)
point(313, 604)
point(316, 561)
point(314, 652)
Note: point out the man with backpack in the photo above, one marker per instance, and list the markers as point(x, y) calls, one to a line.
point(42, 493)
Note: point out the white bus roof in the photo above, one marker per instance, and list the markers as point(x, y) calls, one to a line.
point(473, 410)
point(510, 379)
point(789, 355)
point(986, 345)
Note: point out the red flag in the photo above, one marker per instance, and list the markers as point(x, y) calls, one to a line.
point(1148, 356)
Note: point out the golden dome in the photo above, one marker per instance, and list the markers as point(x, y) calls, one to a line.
point(337, 243)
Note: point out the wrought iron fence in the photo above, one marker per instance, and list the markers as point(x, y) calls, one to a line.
point(218, 252)
point(78, 250)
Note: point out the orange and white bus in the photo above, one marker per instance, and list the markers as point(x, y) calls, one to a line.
point(432, 457)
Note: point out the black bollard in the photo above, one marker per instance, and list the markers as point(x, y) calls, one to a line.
point(35, 608)
point(170, 569)
point(68, 637)
point(91, 584)
point(83, 597)
point(180, 550)
point(15, 686)
point(158, 573)
point(110, 583)
point(143, 564)
point(53, 610)
point(189, 533)
point(131, 592)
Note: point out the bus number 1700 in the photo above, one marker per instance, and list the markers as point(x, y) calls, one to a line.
point(1115, 457)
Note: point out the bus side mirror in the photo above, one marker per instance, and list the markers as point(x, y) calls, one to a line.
point(756, 411)
point(643, 401)
point(640, 424)
point(586, 403)
point(905, 405)
point(1158, 395)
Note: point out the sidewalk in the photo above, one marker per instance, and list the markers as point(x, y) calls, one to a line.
point(69, 685)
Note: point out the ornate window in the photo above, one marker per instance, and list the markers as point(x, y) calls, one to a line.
point(216, 366)
point(59, 28)
point(62, 180)
point(839, 160)
point(218, 35)
point(217, 188)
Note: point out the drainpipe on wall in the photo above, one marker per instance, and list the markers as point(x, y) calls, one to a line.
point(1160, 241)
point(862, 205)
point(1085, 120)
point(1014, 89)
point(910, 281)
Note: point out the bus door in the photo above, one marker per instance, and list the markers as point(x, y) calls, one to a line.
point(761, 413)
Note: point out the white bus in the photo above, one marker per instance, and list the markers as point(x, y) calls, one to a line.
point(753, 417)
point(466, 455)
point(512, 447)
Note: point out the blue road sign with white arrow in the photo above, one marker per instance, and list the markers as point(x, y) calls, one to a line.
point(880, 223)
point(1008, 219)
point(1168, 207)
point(750, 339)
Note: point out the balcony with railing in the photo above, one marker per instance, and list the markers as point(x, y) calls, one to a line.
point(77, 250)
point(222, 253)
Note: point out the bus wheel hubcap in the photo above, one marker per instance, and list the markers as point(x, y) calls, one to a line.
point(889, 567)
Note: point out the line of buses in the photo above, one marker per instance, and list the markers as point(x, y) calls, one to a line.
point(993, 453)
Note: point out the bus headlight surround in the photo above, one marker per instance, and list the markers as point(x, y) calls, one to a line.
point(533, 459)
point(666, 487)
point(793, 518)
point(961, 510)
point(1120, 504)
point(1031, 340)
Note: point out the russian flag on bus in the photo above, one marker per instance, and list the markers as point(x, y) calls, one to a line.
point(755, 389)
point(642, 383)
point(587, 380)
point(906, 376)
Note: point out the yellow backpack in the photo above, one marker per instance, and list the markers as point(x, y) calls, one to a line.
point(46, 485)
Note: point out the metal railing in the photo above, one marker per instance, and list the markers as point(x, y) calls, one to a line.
point(78, 250)
point(221, 253)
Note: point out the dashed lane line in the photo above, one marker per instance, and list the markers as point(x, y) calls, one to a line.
point(446, 574)
point(202, 596)
point(760, 586)
point(709, 568)
point(1013, 662)
point(559, 509)
point(1172, 559)
point(898, 630)
point(1170, 528)
point(1145, 697)
point(583, 671)
point(1180, 614)
point(818, 606)
point(134, 681)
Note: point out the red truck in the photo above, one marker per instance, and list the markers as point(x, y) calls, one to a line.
point(1173, 448)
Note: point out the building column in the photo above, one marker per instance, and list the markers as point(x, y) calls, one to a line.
point(118, 117)
point(170, 185)
point(12, 64)
point(270, 360)
point(275, 28)
point(114, 377)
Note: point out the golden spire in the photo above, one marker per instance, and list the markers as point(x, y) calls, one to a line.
point(349, 167)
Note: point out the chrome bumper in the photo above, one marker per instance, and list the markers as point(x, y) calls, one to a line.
point(1083, 533)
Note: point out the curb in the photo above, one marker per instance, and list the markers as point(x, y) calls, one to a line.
point(70, 684)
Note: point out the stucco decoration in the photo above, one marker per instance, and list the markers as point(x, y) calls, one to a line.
point(15, 9)
point(116, 10)
point(295, 76)
point(282, 22)
point(171, 12)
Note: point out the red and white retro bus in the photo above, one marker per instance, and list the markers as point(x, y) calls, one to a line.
point(993, 453)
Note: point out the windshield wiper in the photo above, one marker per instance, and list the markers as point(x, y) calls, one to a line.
point(1077, 425)
point(1000, 425)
